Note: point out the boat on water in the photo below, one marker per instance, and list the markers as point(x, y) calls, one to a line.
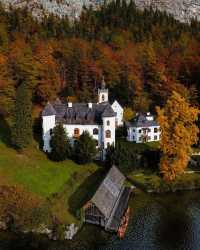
point(124, 224)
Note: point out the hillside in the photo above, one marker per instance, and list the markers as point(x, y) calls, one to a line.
point(143, 55)
point(181, 9)
point(61, 187)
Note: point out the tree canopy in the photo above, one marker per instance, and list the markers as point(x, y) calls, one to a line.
point(143, 54)
point(179, 132)
point(22, 118)
point(85, 148)
point(60, 144)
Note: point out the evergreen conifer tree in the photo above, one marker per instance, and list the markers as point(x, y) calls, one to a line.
point(85, 149)
point(110, 156)
point(22, 118)
point(60, 144)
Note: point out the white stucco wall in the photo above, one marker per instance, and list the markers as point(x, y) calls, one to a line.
point(111, 127)
point(102, 95)
point(69, 128)
point(134, 135)
point(120, 113)
point(47, 124)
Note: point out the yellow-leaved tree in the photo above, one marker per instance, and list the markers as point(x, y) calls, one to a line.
point(179, 132)
point(129, 114)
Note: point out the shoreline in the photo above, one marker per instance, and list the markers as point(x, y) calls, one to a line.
point(153, 183)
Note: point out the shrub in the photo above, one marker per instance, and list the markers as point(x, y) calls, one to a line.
point(121, 132)
point(130, 156)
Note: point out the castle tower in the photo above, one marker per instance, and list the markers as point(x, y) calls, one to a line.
point(103, 92)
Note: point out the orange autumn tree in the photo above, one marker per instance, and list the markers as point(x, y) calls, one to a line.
point(20, 207)
point(179, 132)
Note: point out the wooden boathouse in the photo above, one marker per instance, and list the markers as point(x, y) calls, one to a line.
point(109, 206)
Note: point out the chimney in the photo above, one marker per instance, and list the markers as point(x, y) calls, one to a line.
point(149, 117)
point(90, 105)
point(69, 104)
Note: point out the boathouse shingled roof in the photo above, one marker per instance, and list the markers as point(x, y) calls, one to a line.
point(108, 193)
point(79, 113)
point(118, 211)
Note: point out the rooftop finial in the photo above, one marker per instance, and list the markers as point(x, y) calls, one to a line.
point(103, 84)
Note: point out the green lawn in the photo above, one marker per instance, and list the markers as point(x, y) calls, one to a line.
point(65, 185)
point(140, 147)
point(35, 171)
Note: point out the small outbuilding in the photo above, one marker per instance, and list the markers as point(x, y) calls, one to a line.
point(109, 206)
point(143, 129)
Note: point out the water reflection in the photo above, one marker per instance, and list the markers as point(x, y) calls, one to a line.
point(166, 222)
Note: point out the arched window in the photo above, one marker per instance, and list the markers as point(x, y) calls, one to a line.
point(108, 134)
point(76, 132)
point(95, 131)
point(108, 123)
point(97, 143)
point(103, 98)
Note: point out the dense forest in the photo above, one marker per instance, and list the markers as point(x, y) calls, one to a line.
point(147, 58)
point(143, 55)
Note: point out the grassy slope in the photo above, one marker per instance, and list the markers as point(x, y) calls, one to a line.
point(152, 182)
point(140, 147)
point(33, 170)
point(65, 184)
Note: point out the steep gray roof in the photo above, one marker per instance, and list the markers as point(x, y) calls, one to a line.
point(79, 113)
point(48, 110)
point(108, 112)
point(107, 194)
point(141, 121)
point(119, 209)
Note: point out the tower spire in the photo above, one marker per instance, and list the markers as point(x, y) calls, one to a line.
point(103, 84)
point(103, 92)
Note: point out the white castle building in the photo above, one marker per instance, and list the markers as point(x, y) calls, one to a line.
point(143, 129)
point(99, 119)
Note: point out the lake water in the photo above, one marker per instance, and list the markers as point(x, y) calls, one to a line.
point(164, 222)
